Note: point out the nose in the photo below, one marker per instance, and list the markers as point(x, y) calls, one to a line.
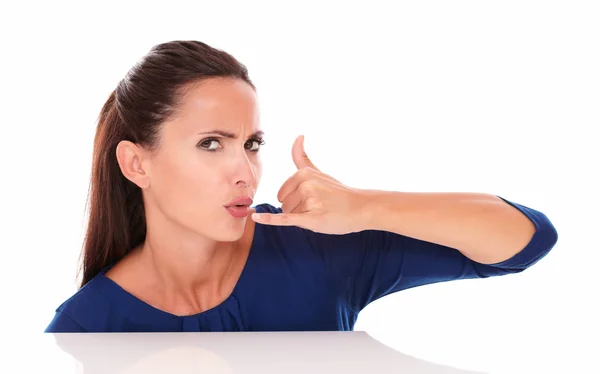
point(245, 175)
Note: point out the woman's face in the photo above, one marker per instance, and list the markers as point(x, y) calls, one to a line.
point(206, 157)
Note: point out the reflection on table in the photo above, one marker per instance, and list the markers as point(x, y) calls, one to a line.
point(247, 352)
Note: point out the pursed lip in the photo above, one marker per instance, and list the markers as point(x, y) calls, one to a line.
point(243, 200)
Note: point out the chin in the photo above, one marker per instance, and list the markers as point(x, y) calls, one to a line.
point(228, 232)
point(231, 236)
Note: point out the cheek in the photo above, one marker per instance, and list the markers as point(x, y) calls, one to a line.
point(175, 172)
point(189, 192)
point(184, 182)
point(257, 166)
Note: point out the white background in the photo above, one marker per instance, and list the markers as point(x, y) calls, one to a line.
point(474, 96)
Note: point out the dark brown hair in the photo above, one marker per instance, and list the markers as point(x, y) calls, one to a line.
point(148, 95)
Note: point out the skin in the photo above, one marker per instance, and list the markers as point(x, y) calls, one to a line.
point(194, 250)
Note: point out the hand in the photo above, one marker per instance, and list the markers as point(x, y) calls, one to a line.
point(314, 200)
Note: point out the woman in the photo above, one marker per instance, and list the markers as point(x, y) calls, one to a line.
point(174, 242)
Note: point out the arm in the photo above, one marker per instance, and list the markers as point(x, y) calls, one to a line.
point(386, 258)
point(485, 228)
point(374, 243)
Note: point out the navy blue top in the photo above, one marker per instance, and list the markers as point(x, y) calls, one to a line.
point(299, 280)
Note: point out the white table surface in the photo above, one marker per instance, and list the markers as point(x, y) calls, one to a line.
point(175, 353)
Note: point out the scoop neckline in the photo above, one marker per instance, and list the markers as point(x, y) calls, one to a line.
point(255, 242)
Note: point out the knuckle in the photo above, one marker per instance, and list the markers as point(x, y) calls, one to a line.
point(313, 185)
point(314, 203)
point(304, 172)
point(306, 188)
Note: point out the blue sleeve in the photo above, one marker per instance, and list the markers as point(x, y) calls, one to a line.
point(63, 323)
point(371, 264)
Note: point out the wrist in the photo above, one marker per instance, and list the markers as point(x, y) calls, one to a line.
point(370, 209)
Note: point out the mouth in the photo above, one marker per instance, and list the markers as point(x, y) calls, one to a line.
point(239, 207)
point(240, 202)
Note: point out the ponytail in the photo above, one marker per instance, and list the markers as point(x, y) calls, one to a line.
point(116, 221)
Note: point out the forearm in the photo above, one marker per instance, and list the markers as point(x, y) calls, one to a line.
point(481, 226)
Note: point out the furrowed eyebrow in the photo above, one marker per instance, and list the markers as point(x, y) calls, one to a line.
point(230, 135)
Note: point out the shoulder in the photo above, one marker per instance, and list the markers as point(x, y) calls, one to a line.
point(80, 311)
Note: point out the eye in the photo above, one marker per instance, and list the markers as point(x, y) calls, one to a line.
point(210, 144)
point(253, 145)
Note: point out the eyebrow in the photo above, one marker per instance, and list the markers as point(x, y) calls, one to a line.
point(231, 135)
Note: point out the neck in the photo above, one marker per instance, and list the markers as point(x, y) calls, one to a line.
point(186, 277)
point(179, 260)
point(185, 266)
point(180, 271)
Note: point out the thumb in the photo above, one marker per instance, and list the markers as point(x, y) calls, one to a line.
point(299, 155)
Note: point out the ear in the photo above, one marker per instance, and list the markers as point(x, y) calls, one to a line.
point(130, 157)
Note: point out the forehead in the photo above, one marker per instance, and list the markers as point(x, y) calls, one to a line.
point(219, 104)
